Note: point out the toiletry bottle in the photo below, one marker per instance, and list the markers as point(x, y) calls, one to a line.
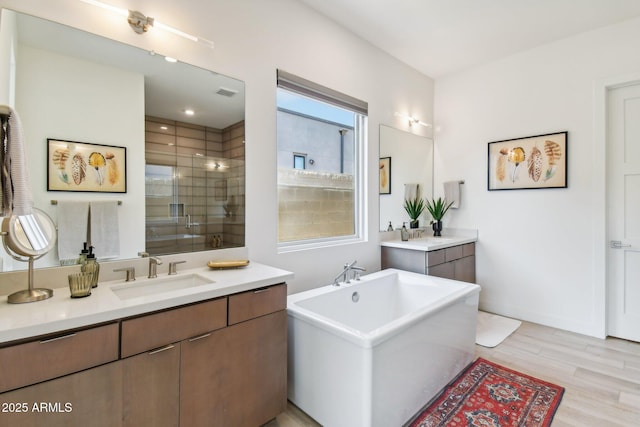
point(91, 266)
point(83, 254)
point(390, 227)
point(404, 233)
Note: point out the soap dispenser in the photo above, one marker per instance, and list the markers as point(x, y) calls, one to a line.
point(83, 254)
point(91, 266)
point(404, 233)
point(390, 227)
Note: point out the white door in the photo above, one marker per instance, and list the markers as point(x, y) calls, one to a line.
point(623, 212)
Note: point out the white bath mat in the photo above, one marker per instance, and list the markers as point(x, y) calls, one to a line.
point(492, 329)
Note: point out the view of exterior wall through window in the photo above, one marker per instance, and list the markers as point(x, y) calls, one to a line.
point(320, 155)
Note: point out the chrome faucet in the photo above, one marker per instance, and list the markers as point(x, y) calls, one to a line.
point(154, 262)
point(188, 222)
point(349, 268)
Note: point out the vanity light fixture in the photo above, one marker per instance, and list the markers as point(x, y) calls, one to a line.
point(141, 23)
point(412, 120)
point(170, 59)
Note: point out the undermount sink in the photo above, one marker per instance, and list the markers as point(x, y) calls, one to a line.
point(158, 286)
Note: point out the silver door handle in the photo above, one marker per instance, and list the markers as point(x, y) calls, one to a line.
point(617, 244)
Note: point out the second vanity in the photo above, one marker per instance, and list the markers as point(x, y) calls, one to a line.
point(451, 256)
point(211, 354)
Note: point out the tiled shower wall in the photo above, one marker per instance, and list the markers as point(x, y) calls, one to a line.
point(202, 206)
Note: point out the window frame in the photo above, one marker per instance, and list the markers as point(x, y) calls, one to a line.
point(306, 88)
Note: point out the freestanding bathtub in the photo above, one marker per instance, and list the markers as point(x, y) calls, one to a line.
point(374, 352)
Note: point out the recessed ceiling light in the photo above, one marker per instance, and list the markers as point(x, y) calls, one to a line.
point(189, 112)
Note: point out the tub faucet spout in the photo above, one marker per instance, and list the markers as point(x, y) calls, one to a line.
point(345, 273)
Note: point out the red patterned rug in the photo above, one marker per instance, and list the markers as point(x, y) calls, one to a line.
point(490, 395)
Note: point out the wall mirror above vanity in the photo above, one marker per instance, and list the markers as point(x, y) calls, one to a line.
point(185, 174)
point(411, 162)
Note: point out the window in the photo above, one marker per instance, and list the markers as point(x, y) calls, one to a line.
point(320, 193)
point(299, 161)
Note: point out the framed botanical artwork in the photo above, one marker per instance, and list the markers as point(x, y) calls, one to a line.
point(528, 163)
point(385, 175)
point(82, 166)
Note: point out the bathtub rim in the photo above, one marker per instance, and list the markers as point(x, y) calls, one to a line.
point(385, 332)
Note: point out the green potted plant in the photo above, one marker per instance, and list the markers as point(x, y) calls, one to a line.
point(414, 208)
point(437, 208)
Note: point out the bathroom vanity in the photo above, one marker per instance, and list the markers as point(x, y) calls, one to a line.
point(212, 354)
point(450, 256)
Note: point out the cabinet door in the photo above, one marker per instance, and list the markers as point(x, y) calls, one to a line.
point(151, 388)
point(237, 376)
point(88, 398)
point(203, 378)
point(446, 270)
point(465, 269)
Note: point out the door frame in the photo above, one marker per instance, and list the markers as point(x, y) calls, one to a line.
point(600, 233)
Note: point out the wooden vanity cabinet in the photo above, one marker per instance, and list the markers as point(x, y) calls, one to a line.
point(151, 388)
point(455, 262)
point(152, 378)
point(237, 375)
point(69, 379)
point(221, 362)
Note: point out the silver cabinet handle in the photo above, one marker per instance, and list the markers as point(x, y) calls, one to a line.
point(199, 337)
point(617, 244)
point(161, 349)
point(57, 338)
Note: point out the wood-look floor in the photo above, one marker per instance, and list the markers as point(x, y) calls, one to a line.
point(601, 377)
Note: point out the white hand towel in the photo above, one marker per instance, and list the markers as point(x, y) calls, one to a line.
point(105, 229)
point(410, 191)
point(16, 192)
point(452, 193)
point(73, 218)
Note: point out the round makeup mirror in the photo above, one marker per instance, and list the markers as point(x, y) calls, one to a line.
point(27, 238)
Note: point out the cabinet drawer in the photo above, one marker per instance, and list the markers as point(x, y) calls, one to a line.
point(446, 270)
point(159, 329)
point(435, 257)
point(55, 356)
point(453, 253)
point(252, 304)
point(468, 249)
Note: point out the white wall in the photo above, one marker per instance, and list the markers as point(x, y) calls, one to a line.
point(252, 39)
point(540, 254)
point(46, 111)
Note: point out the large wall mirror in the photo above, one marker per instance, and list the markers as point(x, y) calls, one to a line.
point(185, 174)
point(408, 159)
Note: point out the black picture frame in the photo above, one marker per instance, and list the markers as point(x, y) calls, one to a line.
point(532, 162)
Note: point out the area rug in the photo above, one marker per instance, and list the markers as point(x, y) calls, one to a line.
point(492, 329)
point(489, 395)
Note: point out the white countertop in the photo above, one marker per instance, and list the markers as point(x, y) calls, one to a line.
point(61, 312)
point(452, 237)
